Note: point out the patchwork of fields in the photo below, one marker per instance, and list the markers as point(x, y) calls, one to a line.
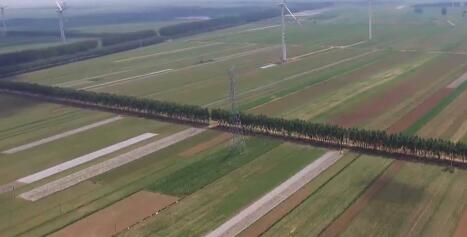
point(62, 167)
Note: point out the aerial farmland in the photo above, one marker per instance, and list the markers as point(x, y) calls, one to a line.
point(102, 145)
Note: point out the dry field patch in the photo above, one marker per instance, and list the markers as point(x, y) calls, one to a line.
point(119, 216)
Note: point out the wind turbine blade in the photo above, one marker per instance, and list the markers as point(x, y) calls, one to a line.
point(293, 16)
point(59, 5)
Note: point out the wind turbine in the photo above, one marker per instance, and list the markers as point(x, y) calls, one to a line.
point(370, 20)
point(284, 10)
point(61, 7)
point(2, 12)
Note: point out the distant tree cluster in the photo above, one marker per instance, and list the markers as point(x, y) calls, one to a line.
point(26, 56)
point(118, 38)
point(354, 138)
point(197, 27)
point(10, 70)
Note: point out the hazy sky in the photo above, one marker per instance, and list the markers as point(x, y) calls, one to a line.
point(51, 3)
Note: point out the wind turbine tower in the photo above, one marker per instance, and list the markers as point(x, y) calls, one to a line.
point(370, 20)
point(61, 7)
point(2, 12)
point(285, 9)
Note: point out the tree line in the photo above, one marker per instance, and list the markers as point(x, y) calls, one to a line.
point(425, 149)
point(25, 56)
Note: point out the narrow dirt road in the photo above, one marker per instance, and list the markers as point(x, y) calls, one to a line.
point(255, 211)
point(108, 165)
point(61, 135)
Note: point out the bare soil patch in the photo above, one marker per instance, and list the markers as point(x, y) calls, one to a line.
point(461, 230)
point(338, 226)
point(119, 216)
point(413, 116)
point(206, 145)
point(398, 93)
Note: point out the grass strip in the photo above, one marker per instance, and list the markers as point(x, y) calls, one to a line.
point(213, 166)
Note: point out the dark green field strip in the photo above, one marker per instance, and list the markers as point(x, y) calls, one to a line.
point(213, 166)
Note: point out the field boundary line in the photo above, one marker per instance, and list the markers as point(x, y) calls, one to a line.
point(108, 165)
point(142, 76)
point(61, 135)
point(292, 77)
point(83, 80)
point(458, 82)
point(166, 52)
point(84, 159)
point(259, 208)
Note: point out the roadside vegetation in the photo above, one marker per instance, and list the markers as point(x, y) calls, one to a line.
point(423, 149)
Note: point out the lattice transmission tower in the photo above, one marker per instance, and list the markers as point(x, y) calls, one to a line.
point(238, 141)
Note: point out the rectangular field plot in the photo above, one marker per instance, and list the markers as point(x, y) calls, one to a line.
point(265, 204)
point(103, 167)
point(60, 136)
point(83, 159)
point(119, 216)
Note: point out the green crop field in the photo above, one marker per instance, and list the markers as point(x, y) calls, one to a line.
point(400, 81)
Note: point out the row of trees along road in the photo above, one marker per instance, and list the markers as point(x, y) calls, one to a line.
point(426, 149)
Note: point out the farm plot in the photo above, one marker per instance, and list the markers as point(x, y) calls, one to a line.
point(450, 123)
point(386, 107)
point(23, 121)
point(119, 216)
point(40, 158)
point(259, 208)
point(318, 98)
point(52, 213)
point(202, 211)
point(93, 171)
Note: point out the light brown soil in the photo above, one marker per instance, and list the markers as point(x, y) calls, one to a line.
point(206, 145)
point(413, 116)
point(398, 93)
point(338, 226)
point(461, 230)
point(119, 216)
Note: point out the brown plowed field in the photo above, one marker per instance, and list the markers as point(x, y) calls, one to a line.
point(339, 225)
point(417, 113)
point(403, 89)
point(119, 216)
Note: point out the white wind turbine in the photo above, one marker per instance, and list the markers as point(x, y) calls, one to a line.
point(284, 10)
point(370, 20)
point(2, 12)
point(61, 7)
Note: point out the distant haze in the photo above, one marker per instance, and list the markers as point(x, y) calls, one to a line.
point(90, 3)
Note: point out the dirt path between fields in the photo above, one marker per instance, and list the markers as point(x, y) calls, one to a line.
point(119, 216)
point(269, 201)
point(108, 165)
point(60, 136)
point(338, 226)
